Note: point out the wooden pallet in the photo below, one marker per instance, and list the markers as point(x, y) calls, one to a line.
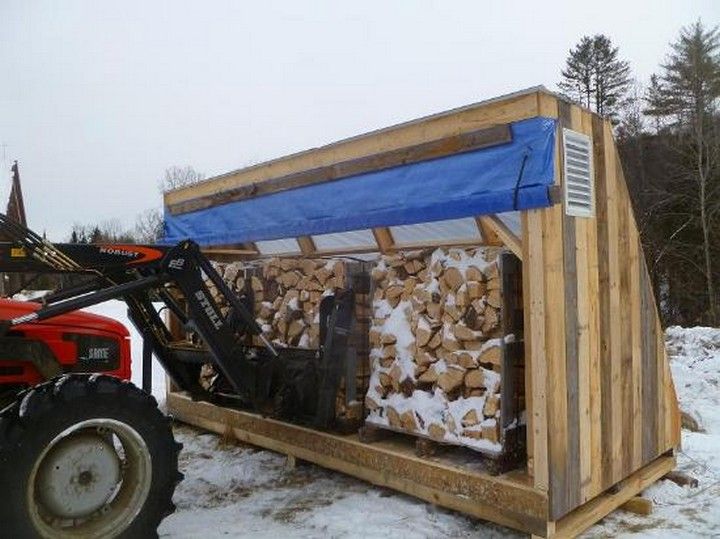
point(508, 499)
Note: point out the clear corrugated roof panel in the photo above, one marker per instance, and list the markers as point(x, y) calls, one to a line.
point(273, 247)
point(354, 239)
point(438, 231)
point(512, 221)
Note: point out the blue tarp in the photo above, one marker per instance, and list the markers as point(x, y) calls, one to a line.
point(474, 183)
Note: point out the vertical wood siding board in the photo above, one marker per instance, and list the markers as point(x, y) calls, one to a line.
point(555, 342)
point(636, 317)
point(673, 422)
point(626, 391)
point(594, 355)
point(582, 287)
point(534, 294)
point(572, 118)
point(571, 362)
point(564, 114)
point(527, 339)
point(589, 371)
point(661, 383)
point(616, 306)
point(601, 212)
point(555, 338)
point(649, 375)
point(582, 122)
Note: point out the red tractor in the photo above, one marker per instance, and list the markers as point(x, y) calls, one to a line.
point(83, 455)
point(86, 454)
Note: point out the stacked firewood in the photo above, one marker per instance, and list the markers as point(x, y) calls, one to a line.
point(286, 296)
point(287, 293)
point(436, 345)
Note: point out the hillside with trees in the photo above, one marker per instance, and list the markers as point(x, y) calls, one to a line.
point(669, 139)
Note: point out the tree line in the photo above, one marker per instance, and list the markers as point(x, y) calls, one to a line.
point(668, 132)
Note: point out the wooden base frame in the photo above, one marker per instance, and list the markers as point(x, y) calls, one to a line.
point(508, 499)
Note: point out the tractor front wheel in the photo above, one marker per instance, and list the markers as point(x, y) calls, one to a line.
point(86, 456)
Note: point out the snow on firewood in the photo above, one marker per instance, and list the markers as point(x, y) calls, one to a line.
point(436, 345)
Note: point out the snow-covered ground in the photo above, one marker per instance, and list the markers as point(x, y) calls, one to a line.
point(233, 490)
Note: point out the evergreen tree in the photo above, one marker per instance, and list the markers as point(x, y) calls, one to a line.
point(595, 77)
point(577, 77)
point(611, 76)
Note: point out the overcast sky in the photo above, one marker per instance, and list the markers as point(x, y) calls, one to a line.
point(98, 98)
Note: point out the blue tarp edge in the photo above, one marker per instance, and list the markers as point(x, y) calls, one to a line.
point(462, 185)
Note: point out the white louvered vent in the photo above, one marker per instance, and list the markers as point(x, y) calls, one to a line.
point(578, 165)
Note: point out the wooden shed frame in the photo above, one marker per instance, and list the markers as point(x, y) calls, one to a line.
point(602, 415)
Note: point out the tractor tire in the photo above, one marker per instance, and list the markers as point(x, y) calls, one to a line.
point(85, 456)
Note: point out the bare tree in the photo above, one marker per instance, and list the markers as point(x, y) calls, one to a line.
point(177, 177)
point(149, 226)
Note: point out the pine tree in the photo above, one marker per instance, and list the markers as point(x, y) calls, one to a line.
point(595, 77)
point(577, 76)
point(611, 75)
point(685, 94)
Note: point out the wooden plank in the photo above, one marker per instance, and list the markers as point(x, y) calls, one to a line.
point(307, 245)
point(489, 236)
point(547, 105)
point(662, 382)
point(506, 236)
point(555, 350)
point(601, 506)
point(571, 117)
point(638, 505)
point(572, 367)
point(624, 314)
point(615, 390)
point(649, 369)
point(583, 288)
point(590, 255)
point(234, 252)
point(527, 340)
point(673, 422)
point(384, 239)
point(589, 390)
point(474, 117)
point(601, 212)
point(435, 149)
point(535, 353)
point(388, 463)
point(635, 304)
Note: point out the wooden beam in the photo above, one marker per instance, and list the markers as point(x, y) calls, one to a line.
point(307, 245)
point(586, 515)
point(489, 236)
point(501, 230)
point(638, 505)
point(452, 145)
point(229, 252)
point(391, 463)
point(384, 239)
point(682, 479)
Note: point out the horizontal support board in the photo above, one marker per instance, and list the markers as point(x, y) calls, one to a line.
point(510, 502)
point(466, 142)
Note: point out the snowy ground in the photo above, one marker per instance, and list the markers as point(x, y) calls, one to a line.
point(232, 490)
